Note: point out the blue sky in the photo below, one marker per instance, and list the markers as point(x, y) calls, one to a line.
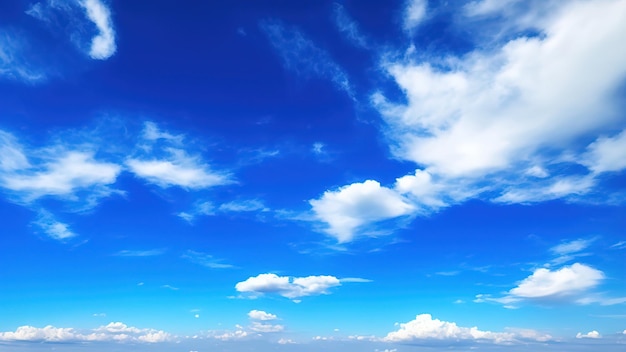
point(312, 175)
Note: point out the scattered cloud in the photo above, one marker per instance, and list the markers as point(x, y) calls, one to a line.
point(206, 260)
point(53, 228)
point(261, 327)
point(348, 27)
point(140, 253)
point(261, 315)
point(424, 327)
point(571, 247)
point(13, 64)
point(55, 171)
point(114, 332)
point(103, 44)
point(496, 123)
point(348, 209)
point(566, 281)
point(170, 287)
point(414, 14)
point(179, 169)
point(590, 335)
point(301, 55)
point(286, 286)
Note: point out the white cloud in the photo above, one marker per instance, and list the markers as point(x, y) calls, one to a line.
point(348, 27)
point(102, 45)
point(206, 260)
point(57, 172)
point(243, 206)
point(590, 335)
point(414, 14)
point(566, 281)
point(302, 56)
point(179, 169)
point(115, 331)
point(140, 253)
point(261, 327)
point(52, 227)
point(232, 335)
point(505, 118)
point(290, 287)
point(571, 247)
point(261, 315)
point(12, 63)
point(351, 207)
point(606, 154)
point(425, 327)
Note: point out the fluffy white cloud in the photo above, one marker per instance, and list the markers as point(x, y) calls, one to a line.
point(261, 315)
point(606, 154)
point(501, 118)
point(350, 207)
point(590, 335)
point(102, 45)
point(566, 281)
point(114, 331)
point(425, 327)
point(290, 287)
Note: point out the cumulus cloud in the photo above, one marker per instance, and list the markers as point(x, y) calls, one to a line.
point(590, 335)
point(519, 120)
point(350, 207)
point(261, 315)
point(424, 327)
point(301, 55)
point(566, 281)
point(103, 44)
point(114, 331)
point(286, 286)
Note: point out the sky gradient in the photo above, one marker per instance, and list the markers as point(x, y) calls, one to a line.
point(312, 175)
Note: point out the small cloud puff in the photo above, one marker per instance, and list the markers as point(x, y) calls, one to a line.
point(590, 335)
point(289, 287)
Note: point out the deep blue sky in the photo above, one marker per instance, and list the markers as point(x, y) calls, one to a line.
point(308, 175)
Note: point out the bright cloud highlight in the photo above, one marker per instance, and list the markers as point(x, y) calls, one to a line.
point(289, 287)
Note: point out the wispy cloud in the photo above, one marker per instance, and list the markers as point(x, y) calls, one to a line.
point(101, 45)
point(206, 260)
point(496, 123)
point(208, 208)
point(414, 14)
point(13, 63)
point(53, 228)
point(140, 253)
point(348, 27)
point(301, 55)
